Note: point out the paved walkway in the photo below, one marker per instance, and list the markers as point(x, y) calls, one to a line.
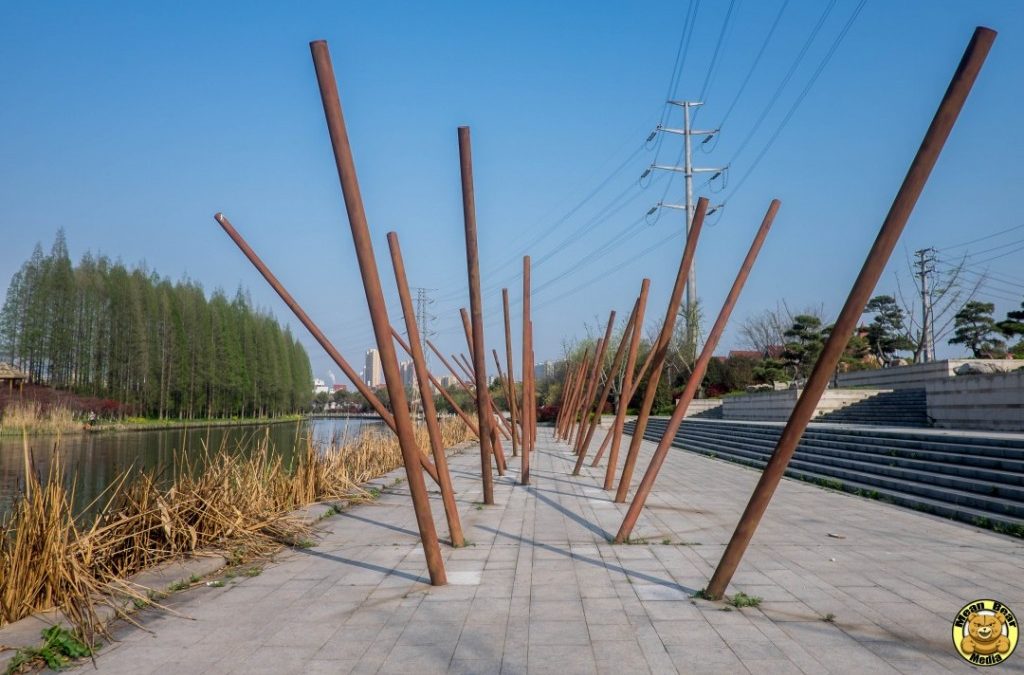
point(540, 590)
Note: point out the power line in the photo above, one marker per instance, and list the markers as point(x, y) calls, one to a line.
point(987, 236)
point(803, 94)
point(753, 66)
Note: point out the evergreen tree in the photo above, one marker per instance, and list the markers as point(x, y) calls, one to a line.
point(887, 332)
point(103, 330)
point(975, 329)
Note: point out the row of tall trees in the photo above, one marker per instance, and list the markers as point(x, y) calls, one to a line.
point(164, 349)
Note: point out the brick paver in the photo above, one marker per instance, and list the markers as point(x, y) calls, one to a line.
point(541, 590)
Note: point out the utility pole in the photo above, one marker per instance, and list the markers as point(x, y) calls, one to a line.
point(925, 268)
point(688, 171)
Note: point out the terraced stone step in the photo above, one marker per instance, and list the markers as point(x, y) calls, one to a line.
point(976, 479)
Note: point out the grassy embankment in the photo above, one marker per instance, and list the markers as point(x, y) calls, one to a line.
point(238, 503)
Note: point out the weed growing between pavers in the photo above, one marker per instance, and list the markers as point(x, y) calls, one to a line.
point(58, 648)
point(741, 599)
point(829, 618)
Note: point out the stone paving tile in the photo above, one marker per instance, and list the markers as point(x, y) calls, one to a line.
point(540, 589)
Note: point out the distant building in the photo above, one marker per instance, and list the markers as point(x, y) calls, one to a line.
point(408, 372)
point(320, 387)
point(339, 387)
point(11, 377)
point(373, 373)
point(543, 371)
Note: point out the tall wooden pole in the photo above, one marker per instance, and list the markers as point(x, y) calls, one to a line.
point(595, 381)
point(513, 407)
point(889, 234)
point(483, 407)
point(696, 377)
point(528, 408)
point(423, 381)
point(661, 348)
point(620, 351)
point(627, 388)
point(378, 309)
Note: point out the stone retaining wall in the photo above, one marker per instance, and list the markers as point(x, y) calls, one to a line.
point(985, 402)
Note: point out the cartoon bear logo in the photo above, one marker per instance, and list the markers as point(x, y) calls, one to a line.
point(985, 635)
point(985, 632)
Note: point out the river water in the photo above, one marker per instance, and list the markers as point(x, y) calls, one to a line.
point(92, 461)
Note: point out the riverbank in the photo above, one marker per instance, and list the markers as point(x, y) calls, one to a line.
point(238, 503)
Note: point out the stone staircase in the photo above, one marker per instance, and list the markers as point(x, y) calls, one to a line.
point(977, 479)
point(899, 408)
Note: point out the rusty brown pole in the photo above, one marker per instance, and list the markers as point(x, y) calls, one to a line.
point(505, 388)
point(615, 434)
point(465, 365)
point(423, 380)
point(583, 403)
point(577, 394)
point(569, 399)
point(696, 377)
point(568, 387)
point(513, 408)
point(902, 206)
point(660, 349)
point(588, 401)
point(528, 409)
point(468, 328)
point(378, 309)
point(573, 382)
point(455, 406)
point(533, 393)
point(476, 335)
point(462, 383)
point(317, 334)
point(637, 379)
point(620, 352)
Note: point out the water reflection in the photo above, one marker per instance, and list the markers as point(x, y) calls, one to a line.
point(92, 461)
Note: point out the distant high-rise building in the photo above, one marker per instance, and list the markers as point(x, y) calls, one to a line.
point(320, 387)
point(543, 371)
point(408, 371)
point(373, 373)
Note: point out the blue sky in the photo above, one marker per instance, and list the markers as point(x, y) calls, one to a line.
point(130, 125)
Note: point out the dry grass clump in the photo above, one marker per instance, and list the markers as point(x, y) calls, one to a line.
point(40, 419)
point(237, 501)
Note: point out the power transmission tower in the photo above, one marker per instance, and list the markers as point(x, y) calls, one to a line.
point(925, 268)
point(424, 318)
point(688, 170)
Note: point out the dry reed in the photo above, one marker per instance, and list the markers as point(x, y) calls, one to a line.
point(230, 501)
point(40, 419)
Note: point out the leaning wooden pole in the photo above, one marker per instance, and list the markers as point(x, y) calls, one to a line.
point(568, 387)
point(378, 309)
point(602, 399)
point(627, 390)
point(483, 407)
point(318, 335)
point(595, 382)
point(660, 349)
point(419, 361)
point(889, 234)
point(529, 409)
point(696, 377)
point(513, 407)
point(585, 376)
